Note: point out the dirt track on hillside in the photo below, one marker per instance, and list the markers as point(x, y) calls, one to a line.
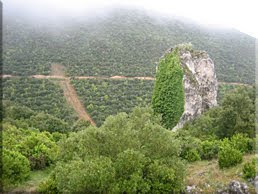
point(88, 77)
point(57, 71)
point(72, 98)
point(62, 77)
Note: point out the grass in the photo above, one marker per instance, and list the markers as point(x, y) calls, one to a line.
point(207, 175)
point(36, 177)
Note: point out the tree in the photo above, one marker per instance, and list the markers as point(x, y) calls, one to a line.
point(16, 167)
point(238, 113)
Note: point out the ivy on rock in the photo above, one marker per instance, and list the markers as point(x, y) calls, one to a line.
point(168, 94)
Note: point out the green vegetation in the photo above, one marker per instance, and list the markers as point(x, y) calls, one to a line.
point(226, 136)
point(25, 150)
point(168, 93)
point(238, 113)
point(210, 149)
point(224, 89)
point(102, 98)
point(235, 115)
point(125, 42)
point(249, 170)
point(41, 96)
point(228, 155)
point(127, 154)
point(16, 167)
point(24, 117)
point(33, 181)
point(207, 176)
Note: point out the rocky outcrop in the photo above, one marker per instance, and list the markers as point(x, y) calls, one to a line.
point(200, 83)
point(235, 187)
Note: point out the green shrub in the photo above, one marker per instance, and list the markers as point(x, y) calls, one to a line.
point(16, 167)
point(190, 148)
point(130, 167)
point(168, 93)
point(238, 113)
point(228, 156)
point(249, 170)
point(80, 124)
point(210, 149)
point(165, 176)
point(89, 176)
point(127, 154)
point(40, 149)
point(58, 136)
point(192, 155)
point(242, 142)
point(48, 186)
point(47, 122)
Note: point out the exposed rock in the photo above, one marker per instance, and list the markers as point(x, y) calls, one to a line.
point(192, 190)
point(235, 187)
point(222, 191)
point(255, 182)
point(200, 83)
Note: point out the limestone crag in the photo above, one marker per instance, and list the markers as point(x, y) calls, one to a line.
point(200, 83)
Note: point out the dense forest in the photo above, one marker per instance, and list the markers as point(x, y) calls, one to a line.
point(100, 98)
point(124, 42)
point(43, 100)
point(109, 97)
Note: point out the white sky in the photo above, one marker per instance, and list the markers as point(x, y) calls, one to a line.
point(239, 14)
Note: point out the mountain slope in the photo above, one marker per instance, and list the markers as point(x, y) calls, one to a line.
point(123, 42)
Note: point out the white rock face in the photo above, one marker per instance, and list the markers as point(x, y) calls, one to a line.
point(200, 84)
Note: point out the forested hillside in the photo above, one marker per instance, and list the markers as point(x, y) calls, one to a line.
point(123, 42)
point(133, 152)
point(41, 102)
point(109, 97)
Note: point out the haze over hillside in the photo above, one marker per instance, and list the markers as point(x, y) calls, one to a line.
point(120, 41)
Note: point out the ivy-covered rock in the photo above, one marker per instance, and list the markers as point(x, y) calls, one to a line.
point(185, 87)
point(168, 94)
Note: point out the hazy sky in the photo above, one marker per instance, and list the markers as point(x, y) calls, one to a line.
point(239, 14)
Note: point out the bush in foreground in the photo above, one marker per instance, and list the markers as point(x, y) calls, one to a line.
point(249, 170)
point(16, 168)
point(242, 143)
point(210, 149)
point(228, 156)
point(127, 154)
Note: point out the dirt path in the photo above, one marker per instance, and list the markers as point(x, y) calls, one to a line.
point(235, 83)
point(62, 77)
point(72, 98)
point(57, 71)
